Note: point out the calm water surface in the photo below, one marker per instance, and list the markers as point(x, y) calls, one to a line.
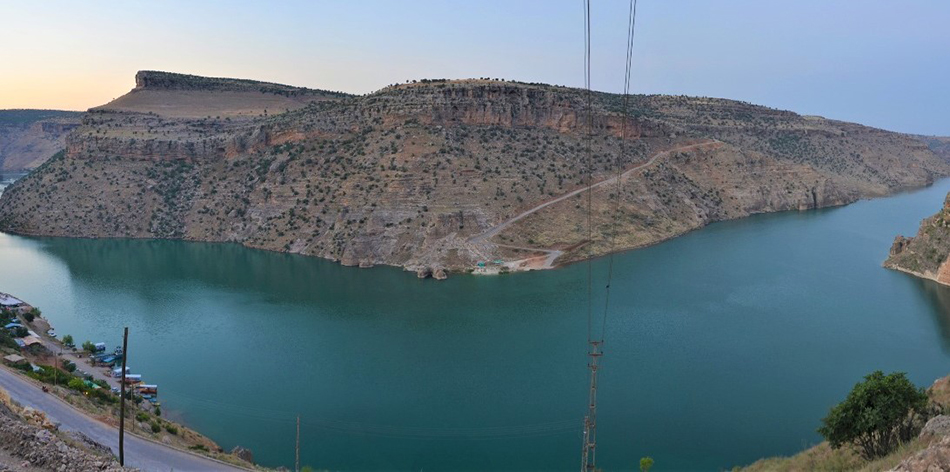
point(724, 346)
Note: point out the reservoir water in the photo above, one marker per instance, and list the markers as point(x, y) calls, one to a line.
point(723, 346)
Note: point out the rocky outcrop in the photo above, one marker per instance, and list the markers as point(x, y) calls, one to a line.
point(926, 254)
point(243, 453)
point(414, 174)
point(29, 137)
point(937, 426)
point(35, 446)
point(936, 456)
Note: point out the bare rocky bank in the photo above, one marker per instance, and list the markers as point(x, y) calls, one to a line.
point(413, 174)
point(926, 254)
point(29, 442)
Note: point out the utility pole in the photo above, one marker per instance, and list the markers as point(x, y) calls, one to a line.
point(297, 460)
point(125, 355)
point(589, 459)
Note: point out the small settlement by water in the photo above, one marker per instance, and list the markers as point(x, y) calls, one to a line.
point(17, 316)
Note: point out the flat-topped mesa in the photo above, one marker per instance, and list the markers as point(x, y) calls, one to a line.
point(927, 254)
point(173, 95)
point(415, 175)
point(158, 80)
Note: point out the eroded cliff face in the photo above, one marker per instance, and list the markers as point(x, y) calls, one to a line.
point(30, 137)
point(926, 254)
point(418, 175)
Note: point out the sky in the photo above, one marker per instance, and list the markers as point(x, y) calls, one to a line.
point(880, 63)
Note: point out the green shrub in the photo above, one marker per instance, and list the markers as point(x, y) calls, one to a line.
point(171, 429)
point(88, 346)
point(68, 340)
point(7, 341)
point(141, 416)
point(878, 415)
point(76, 384)
point(156, 428)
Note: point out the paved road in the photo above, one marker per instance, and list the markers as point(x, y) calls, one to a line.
point(497, 229)
point(139, 453)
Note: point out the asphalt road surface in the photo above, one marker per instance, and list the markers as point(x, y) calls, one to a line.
point(139, 453)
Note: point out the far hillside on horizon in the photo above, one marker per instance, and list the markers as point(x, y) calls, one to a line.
point(877, 65)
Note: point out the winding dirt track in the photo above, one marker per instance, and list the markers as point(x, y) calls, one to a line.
point(501, 227)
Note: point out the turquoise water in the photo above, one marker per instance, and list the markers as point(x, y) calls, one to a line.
point(724, 346)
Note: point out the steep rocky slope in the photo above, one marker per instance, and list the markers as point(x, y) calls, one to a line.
point(29, 442)
point(29, 137)
point(418, 175)
point(926, 254)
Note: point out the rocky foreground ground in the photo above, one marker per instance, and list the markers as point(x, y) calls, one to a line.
point(29, 442)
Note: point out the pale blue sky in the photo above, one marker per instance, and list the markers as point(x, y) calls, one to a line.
point(881, 63)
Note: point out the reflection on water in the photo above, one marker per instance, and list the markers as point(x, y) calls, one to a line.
point(724, 346)
point(939, 296)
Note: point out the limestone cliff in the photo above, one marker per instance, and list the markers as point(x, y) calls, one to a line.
point(30, 137)
point(440, 174)
point(926, 254)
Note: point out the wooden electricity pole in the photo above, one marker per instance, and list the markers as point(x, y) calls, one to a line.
point(297, 460)
point(125, 355)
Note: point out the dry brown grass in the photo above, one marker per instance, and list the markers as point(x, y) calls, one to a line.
point(201, 104)
point(822, 457)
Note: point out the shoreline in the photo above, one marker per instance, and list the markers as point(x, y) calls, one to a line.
point(554, 263)
point(184, 439)
point(932, 278)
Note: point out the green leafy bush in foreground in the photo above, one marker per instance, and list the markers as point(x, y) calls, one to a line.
point(878, 415)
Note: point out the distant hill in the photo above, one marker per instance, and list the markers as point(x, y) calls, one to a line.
point(29, 137)
point(937, 144)
point(190, 96)
point(437, 175)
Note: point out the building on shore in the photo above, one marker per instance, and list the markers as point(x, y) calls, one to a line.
point(9, 301)
point(14, 359)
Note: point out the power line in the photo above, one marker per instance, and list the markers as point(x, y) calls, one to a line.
point(631, 30)
point(595, 347)
point(588, 450)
